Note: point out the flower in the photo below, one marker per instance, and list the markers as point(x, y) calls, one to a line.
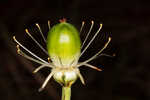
point(64, 51)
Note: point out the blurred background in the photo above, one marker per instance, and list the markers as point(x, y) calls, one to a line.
point(124, 77)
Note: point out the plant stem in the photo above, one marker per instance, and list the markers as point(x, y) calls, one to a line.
point(66, 93)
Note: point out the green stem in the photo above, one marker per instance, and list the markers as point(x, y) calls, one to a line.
point(66, 93)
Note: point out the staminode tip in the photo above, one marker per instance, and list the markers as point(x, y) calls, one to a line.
point(33, 72)
point(92, 22)
point(101, 25)
point(36, 24)
point(99, 69)
point(40, 89)
point(83, 22)
point(49, 21)
point(26, 30)
point(109, 39)
point(14, 37)
point(17, 46)
point(84, 83)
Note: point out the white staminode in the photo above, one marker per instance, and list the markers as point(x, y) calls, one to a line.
point(72, 69)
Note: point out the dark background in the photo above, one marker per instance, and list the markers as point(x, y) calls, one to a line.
point(126, 76)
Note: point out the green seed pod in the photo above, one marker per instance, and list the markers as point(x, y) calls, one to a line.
point(63, 44)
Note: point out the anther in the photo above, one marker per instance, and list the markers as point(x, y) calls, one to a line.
point(92, 22)
point(18, 49)
point(14, 38)
point(83, 22)
point(27, 31)
point(49, 24)
point(101, 26)
point(109, 39)
point(48, 59)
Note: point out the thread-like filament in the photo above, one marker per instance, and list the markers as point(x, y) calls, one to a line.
point(93, 57)
point(92, 24)
point(38, 26)
point(91, 40)
point(36, 41)
point(83, 23)
point(29, 50)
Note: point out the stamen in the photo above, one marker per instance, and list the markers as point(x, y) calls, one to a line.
point(82, 26)
point(39, 68)
point(49, 24)
point(93, 57)
point(36, 41)
point(29, 51)
point(92, 24)
point(91, 40)
point(38, 26)
point(28, 57)
point(46, 81)
point(93, 67)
